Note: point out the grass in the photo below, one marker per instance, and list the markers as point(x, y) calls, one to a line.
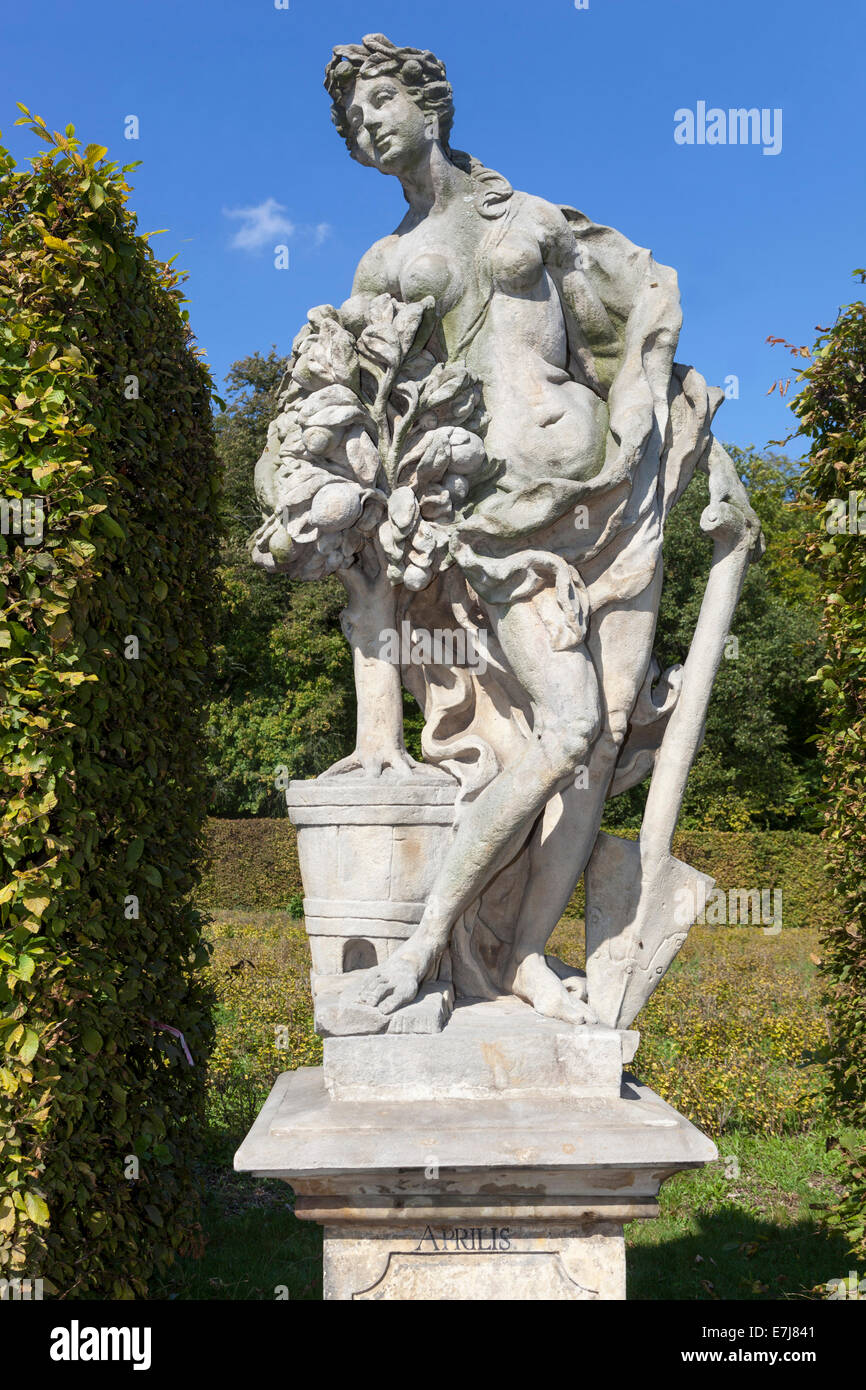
point(734, 1039)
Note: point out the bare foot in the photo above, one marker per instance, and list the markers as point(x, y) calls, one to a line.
point(573, 979)
point(399, 763)
point(537, 984)
point(386, 987)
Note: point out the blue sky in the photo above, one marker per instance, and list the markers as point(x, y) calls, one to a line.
point(575, 105)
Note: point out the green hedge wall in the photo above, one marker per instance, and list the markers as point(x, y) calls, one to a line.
point(831, 408)
point(105, 423)
point(253, 865)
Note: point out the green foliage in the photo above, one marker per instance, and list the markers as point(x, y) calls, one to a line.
point(831, 408)
point(102, 786)
point(253, 864)
point(250, 864)
point(283, 691)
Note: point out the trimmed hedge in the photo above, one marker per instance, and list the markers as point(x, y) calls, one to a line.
point(831, 408)
point(105, 423)
point(253, 865)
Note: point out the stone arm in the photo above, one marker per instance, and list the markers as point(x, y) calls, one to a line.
point(368, 620)
point(594, 345)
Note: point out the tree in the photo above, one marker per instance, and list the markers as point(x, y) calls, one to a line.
point(283, 689)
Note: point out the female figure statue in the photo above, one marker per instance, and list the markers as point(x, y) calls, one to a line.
point(592, 433)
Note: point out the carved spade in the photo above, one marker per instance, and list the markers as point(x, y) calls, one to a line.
point(638, 917)
point(641, 900)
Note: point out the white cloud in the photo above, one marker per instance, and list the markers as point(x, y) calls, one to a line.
point(263, 226)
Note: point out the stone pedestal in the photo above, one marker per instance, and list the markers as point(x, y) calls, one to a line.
point(517, 1188)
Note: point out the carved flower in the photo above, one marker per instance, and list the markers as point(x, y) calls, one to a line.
point(325, 353)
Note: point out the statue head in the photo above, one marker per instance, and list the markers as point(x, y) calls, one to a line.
point(392, 104)
point(389, 103)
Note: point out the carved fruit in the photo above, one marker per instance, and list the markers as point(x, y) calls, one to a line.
point(280, 545)
point(335, 507)
point(403, 510)
point(415, 578)
point(319, 440)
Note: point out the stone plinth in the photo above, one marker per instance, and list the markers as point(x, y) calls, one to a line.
point(488, 1049)
point(505, 1197)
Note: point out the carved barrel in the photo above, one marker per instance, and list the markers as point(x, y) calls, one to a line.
point(369, 851)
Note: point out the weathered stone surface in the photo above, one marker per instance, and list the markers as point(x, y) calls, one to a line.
point(489, 1263)
point(618, 1145)
point(428, 1013)
point(488, 1049)
point(484, 443)
point(368, 853)
point(471, 1199)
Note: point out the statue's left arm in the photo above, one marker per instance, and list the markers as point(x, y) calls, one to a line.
point(594, 345)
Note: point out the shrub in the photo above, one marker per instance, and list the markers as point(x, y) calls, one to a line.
point(105, 423)
point(253, 864)
point(831, 408)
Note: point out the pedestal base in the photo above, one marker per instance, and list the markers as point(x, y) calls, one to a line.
point(505, 1198)
point(490, 1263)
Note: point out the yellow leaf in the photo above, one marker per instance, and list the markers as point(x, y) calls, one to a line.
point(36, 905)
point(7, 1214)
point(37, 1209)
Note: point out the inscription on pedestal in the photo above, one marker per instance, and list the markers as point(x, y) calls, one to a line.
point(478, 1238)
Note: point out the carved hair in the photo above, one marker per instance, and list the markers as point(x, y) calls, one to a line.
point(422, 75)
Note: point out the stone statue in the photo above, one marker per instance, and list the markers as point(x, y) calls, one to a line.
point(483, 442)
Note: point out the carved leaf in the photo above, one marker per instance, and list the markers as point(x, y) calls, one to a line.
point(443, 383)
point(362, 456)
point(326, 355)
